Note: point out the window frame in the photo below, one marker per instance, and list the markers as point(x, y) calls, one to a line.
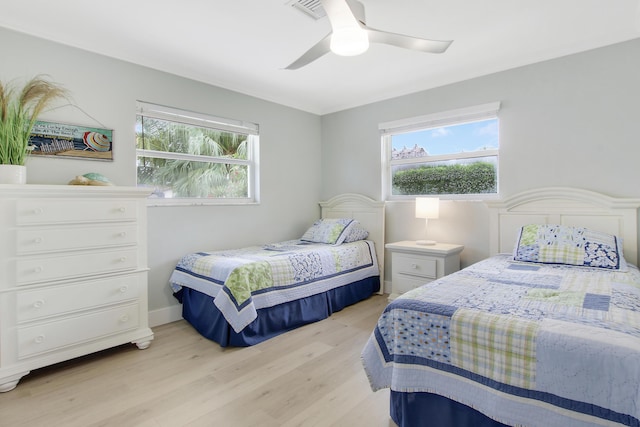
point(445, 118)
point(176, 115)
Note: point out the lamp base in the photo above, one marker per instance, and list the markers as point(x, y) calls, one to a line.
point(425, 242)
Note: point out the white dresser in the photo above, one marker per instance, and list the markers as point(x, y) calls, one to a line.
point(73, 274)
point(413, 265)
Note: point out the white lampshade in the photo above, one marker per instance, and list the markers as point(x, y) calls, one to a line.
point(427, 207)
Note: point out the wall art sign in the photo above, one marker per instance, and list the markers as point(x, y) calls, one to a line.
point(71, 141)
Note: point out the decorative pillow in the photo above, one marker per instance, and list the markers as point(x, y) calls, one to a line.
point(562, 244)
point(327, 230)
point(355, 232)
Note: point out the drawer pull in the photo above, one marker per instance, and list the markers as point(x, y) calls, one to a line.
point(38, 304)
point(37, 211)
point(414, 266)
point(37, 240)
point(124, 289)
point(39, 339)
point(122, 259)
point(37, 269)
point(122, 234)
point(122, 209)
point(124, 318)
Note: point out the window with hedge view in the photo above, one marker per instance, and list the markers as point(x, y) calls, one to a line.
point(449, 153)
point(185, 155)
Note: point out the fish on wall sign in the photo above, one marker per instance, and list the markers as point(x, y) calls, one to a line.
point(71, 141)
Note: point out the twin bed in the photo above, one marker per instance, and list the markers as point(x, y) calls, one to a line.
point(546, 332)
point(242, 297)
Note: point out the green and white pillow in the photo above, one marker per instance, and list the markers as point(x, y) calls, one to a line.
point(562, 244)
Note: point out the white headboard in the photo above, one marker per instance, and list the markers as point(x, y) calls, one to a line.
point(566, 206)
point(369, 212)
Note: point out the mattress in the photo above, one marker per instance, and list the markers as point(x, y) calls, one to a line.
point(243, 281)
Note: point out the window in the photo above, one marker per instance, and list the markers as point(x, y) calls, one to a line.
point(449, 153)
point(184, 156)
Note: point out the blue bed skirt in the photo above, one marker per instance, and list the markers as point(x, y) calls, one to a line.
point(432, 410)
point(198, 309)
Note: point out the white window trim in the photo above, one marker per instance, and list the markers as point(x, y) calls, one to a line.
point(445, 157)
point(162, 112)
point(444, 118)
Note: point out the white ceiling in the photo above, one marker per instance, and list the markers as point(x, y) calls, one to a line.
point(244, 45)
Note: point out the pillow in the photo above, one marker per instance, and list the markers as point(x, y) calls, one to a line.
point(562, 244)
point(327, 230)
point(355, 232)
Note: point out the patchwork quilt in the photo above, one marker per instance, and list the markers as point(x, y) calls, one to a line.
point(525, 343)
point(245, 280)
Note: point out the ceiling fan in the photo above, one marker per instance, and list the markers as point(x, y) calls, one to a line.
point(351, 36)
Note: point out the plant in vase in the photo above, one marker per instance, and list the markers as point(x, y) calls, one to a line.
point(19, 110)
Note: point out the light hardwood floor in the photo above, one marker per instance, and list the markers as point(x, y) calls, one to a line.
point(312, 376)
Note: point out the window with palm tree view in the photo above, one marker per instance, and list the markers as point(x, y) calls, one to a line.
point(187, 155)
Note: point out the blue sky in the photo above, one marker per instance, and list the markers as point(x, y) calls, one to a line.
point(465, 137)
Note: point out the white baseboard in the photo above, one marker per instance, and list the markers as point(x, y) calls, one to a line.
point(165, 315)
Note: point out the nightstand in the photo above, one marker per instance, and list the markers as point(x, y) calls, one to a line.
point(413, 265)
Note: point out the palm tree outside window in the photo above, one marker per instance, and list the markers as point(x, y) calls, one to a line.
point(184, 155)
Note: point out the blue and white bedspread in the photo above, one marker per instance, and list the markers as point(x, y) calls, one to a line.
point(245, 280)
point(526, 344)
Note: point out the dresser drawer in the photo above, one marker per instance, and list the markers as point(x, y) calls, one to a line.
point(41, 269)
point(56, 300)
point(38, 339)
point(414, 265)
point(40, 240)
point(61, 211)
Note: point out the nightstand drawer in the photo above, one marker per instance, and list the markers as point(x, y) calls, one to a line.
point(403, 282)
point(414, 265)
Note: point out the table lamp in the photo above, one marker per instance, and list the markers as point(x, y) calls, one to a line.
point(427, 208)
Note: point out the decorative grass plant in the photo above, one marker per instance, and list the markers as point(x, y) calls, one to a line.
point(19, 110)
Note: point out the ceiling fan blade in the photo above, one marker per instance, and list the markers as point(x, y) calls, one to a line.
point(318, 50)
point(339, 13)
point(349, 14)
point(357, 10)
point(407, 42)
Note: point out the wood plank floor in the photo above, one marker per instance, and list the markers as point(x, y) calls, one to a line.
point(312, 376)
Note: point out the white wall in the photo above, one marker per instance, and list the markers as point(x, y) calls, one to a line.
point(572, 121)
point(107, 90)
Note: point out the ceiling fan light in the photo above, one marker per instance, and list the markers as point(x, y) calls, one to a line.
point(349, 41)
